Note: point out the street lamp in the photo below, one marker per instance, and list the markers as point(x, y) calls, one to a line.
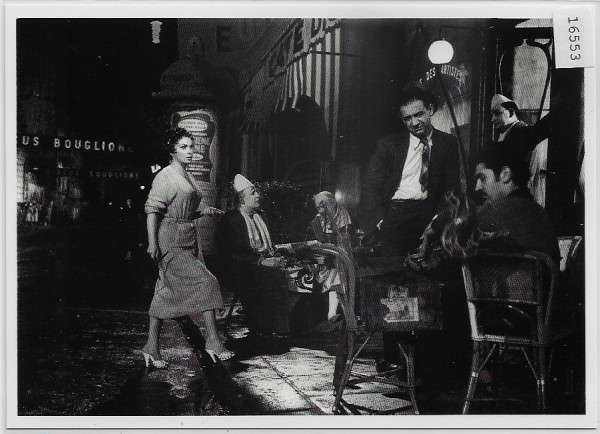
point(155, 26)
point(440, 52)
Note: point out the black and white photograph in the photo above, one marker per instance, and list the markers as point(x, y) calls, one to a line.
point(223, 209)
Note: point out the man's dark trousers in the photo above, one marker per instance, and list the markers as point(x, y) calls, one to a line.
point(403, 226)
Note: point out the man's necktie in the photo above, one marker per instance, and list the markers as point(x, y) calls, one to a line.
point(424, 178)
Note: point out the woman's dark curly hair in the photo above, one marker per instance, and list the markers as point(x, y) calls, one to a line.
point(173, 136)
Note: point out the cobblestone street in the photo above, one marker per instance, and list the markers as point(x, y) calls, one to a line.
point(81, 327)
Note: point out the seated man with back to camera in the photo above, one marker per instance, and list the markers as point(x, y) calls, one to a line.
point(506, 214)
point(507, 204)
point(505, 218)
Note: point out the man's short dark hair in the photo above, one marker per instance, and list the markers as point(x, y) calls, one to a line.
point(417, 94)
point(496, 155)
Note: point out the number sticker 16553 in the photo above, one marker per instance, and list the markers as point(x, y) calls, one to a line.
point(573, 38)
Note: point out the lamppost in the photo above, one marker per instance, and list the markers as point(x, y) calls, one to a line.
point(441, 52)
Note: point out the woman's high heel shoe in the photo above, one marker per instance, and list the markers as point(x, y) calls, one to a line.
point(222, 356)
point(158, 364)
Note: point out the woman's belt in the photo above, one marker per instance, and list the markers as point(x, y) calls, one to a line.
point(178, 220)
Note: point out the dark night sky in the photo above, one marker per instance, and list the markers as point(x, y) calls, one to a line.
point(106, 70)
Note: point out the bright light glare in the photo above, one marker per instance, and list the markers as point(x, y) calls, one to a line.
point(440, 52)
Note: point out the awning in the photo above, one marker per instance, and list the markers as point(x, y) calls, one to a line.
point(304, 61)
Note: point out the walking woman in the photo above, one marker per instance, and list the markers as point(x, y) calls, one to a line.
point(184, 285)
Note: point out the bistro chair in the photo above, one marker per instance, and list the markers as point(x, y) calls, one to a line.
point(571, 275)
point(401, 302)
point(569, 247)
point(572, 299)
point(518, 289)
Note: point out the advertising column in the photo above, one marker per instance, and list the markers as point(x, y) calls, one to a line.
point(202, 123)
point(191, 104)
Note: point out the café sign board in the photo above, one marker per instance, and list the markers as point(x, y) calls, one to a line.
point(298, 39)
point(457, 80)
point(103, 174)
point(74, 144)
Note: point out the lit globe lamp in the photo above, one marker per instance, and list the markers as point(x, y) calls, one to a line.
point(440, 52)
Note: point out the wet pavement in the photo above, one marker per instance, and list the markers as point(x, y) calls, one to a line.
point(82, 320)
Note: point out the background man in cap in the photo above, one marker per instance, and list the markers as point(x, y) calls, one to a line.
point(408, 175)
point(525, 141)
point(247, 236)
point(245, 244)
point(504, 116)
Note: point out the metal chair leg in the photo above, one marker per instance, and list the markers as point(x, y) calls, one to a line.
point(347, 370)
point(341, 357)
point(473, 378)
point(410, 375)
point(542, 378)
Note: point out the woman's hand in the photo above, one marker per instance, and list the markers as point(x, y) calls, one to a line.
point(274, 261)
point(210, 210)
point(152, 224)
point(320, 259)
point(154, 252)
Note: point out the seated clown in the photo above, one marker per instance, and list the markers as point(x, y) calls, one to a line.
point(254, 271)
point(330, 225)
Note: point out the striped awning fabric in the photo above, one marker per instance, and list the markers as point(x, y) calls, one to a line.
point(313, 72)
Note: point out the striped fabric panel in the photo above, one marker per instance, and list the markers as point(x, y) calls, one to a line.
point(293, 87)
point(326, 98)
point(335, 102)
point(308, 71)
point(302, 66)
point(318, 60)
point(316, 75)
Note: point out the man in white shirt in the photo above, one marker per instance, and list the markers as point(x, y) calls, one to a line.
point(405, 185)
point(409, 175)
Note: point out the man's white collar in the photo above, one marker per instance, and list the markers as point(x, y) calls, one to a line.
point(416, 142)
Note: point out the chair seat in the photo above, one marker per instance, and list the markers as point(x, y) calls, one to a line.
point(558, 333)
point(510, 297)
point(555, 335)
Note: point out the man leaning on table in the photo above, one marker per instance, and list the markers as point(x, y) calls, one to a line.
point(405, 184)
point(409, 175)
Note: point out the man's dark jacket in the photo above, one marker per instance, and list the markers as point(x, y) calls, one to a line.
point(385, 172)
point(522, 139)
point(514, 131)
point(528, 225)
point(233, 239)
point(263, 291)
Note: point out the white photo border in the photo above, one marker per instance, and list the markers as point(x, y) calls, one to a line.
point(276, 9)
